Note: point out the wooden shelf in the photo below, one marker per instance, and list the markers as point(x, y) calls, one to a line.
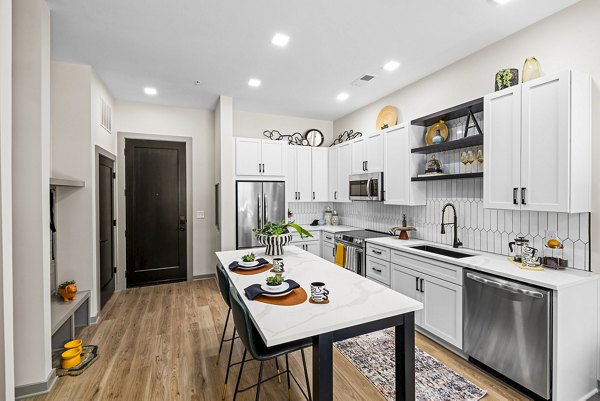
point(63, 182)
point(473, 140)
point(450, 114)
point(448, 177)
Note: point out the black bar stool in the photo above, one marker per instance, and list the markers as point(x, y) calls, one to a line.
point(224, 285)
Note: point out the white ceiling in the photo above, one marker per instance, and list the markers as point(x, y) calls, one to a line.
point(171, 44)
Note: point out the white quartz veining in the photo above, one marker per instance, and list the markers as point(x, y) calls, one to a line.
point(494, 264)
point(354, 300)
point(329, 229)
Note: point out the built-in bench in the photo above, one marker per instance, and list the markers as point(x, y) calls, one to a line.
point(67, 316)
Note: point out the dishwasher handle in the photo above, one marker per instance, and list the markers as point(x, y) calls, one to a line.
point(505, 287)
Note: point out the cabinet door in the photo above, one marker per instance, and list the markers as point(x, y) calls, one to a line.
point(333, 174)
point(247, 156)
point(374, 152)
point(502, 160)
point(319, 171)
point(291, 186)
point(442, 309)
point(303, 173)
point(273, 158)
point(344, 171)
point(358, 156)
point(396, 177)
point(406, 282)
point(545, 141)
point(328, 251)
point(313, 247)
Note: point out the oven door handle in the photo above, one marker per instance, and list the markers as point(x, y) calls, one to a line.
point(505, 287)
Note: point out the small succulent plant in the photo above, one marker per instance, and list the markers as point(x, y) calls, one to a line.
point(250, 257)
point(275, 280)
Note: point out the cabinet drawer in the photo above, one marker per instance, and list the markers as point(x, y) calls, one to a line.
point(441, 270)
point(378, 282)
point(378, 270)
point(328, 237)
point(316, 236)
point(379, 252)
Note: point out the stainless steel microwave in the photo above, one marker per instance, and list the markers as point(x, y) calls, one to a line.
point(366, 187)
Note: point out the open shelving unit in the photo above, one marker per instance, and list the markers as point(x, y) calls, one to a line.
point(451, 113)
point(437, 177)
point(473, 140)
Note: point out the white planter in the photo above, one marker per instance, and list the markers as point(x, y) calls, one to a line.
point(274, 243)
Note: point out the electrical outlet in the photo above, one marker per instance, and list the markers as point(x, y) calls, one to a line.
point(200, 214)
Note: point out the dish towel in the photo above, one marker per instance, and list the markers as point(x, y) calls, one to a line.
point(339, 254)
point(253, 291)
point(261, 262)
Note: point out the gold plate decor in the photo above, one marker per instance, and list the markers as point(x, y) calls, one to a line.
point(432, 131)
point(388, 116)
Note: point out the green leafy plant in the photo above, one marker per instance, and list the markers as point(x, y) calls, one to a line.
point(250, 257)
point(275, 280)
point(504, 78)
point(277, 229)
point(66, 284)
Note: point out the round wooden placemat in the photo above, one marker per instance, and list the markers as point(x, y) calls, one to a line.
point(318, 303)
point(296, 297)
point(255, 271)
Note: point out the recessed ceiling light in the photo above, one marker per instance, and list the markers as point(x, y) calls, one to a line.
point(342, 96)
point(501, 2)
point(253, 82)
point(391, 65)
point(150, 91)
point(280, 40)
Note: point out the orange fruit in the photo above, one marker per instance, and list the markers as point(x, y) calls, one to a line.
point(554, 243)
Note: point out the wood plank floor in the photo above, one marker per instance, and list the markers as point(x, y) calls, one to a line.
point(160, 343)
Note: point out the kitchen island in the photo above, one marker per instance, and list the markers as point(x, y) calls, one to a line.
point(357, 306)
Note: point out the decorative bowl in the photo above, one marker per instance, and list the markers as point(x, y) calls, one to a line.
point(274, 243)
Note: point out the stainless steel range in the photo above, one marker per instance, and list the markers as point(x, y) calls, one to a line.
point(355, 245)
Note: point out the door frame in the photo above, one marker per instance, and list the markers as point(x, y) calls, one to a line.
point(121, 209)
point(99, 151)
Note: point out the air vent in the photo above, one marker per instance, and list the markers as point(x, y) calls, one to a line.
point(365, 79)
point(105, 115)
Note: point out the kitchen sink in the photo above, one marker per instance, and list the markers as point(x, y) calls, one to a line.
point(442, 251)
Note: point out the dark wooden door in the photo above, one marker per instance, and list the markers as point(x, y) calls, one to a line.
point(156, 229)
point(106, 228)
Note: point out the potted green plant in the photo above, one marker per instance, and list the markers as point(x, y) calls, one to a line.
point(276, 235)
point(275, 282)
point(248, 260)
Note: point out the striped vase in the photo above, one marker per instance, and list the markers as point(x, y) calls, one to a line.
point(274, 243)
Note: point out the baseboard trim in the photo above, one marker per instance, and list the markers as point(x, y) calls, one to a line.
point(203, 276)
point(94, 319)
point(35, 389)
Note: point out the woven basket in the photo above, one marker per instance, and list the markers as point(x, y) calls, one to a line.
point(274, 243)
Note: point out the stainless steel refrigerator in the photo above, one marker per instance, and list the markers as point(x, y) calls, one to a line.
point(257, 203)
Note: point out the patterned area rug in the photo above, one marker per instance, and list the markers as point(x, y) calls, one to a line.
point(373, 356)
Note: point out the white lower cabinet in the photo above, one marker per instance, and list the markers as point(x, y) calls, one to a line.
point(442, 302)
point(328, 252)
point(378, 270)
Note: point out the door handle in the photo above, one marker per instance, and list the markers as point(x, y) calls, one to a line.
point(265, 208)
point(258, 213)
point(422, 289)
point(182, 222)
point(417, 284)
point(523, 196)
point(377, 270)
point(515, 191)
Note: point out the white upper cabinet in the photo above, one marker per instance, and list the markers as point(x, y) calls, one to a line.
point(344, 171)
point(367, 153)
point(247, 156)
point(399, 165)
point(303, 173)
point(320, 173)
point(333, 174)
point(538, 145)
point(291, 190)
point(258, 157)
point(502, 162)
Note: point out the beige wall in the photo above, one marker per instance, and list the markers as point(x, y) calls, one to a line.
point(164, 122)
point(7, 380)
point(30, 191)
point(252, 125)
point(566, 40)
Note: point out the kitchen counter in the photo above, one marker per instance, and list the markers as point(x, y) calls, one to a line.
point(493, 264)
point(330, 229)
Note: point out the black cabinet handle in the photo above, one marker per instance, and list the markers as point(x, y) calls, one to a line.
point(334, 194)
point(376, 252)
point(417, 285)
point(313, 195)
point(377, 270)
point(515, 190)
point(422, 289)
point(367, 165)
point(523, 196)
point(263, 166)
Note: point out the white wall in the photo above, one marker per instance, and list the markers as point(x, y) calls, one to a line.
point(566, 40)
point(142, 118)
point(252, 125)
point(227, 179)
point(31, 199)
point(7, 380)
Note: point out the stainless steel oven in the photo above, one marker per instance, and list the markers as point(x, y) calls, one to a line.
point(367, 187)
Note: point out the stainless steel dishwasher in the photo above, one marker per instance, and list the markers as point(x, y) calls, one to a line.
point(507, 326)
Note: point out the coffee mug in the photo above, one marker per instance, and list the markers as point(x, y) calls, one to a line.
point(278, 264)
point(318, 292)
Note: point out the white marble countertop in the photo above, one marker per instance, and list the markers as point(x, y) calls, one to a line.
point(330, 229)
point(494, 264)
point(353, 299)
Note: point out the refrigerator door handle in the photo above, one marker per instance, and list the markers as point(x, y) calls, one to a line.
point(259, 213)
point(265, 219)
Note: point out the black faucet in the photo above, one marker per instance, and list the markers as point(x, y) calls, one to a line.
point(456, 243)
